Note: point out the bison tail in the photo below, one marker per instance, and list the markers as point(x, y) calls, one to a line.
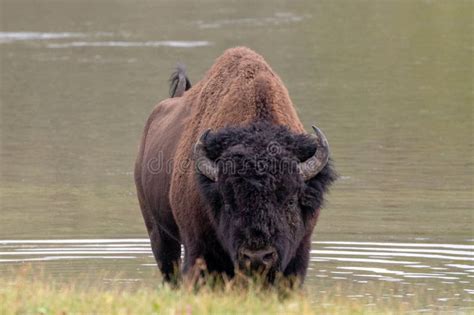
point(179, 82)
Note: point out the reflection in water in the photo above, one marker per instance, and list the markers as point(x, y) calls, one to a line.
point(134, 259)
point(49, 258)
point(165, 43)
point(7, 37)
point(402, 244)
point(269, 21)
point(427, 267)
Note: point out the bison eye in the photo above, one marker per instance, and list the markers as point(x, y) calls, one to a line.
point(292, 202)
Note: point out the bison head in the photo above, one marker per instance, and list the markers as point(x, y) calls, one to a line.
point(264, 186)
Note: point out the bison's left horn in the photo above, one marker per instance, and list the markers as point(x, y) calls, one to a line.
point(312, 166)
point(204, 165)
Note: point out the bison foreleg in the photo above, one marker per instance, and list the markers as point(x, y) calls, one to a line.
point(167, 252)
point(296, 269)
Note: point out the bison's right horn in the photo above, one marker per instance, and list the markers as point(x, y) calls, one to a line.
point(312, 166)
point(204, 165)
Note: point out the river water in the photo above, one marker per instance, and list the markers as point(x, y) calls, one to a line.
point(389, 82)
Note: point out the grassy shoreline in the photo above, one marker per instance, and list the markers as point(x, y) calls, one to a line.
point(34, 293)
point(47, 298)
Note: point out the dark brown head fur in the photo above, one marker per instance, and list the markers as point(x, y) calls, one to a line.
point(260, 200)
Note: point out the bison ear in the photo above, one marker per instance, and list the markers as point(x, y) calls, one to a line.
point(204, 165)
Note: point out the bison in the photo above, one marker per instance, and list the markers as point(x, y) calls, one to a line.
point(226, 169)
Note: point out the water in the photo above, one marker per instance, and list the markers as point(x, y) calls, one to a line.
point(390, 83)
point(447, 268)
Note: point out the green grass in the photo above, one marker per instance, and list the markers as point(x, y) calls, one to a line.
point(27, 293)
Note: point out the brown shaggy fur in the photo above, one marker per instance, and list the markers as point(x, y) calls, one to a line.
point(239, 88)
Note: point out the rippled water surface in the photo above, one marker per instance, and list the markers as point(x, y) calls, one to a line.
point(446, 268)
point(390, 83)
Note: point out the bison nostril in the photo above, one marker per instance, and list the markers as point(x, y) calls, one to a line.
point(257, 258)
point(269, 257)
